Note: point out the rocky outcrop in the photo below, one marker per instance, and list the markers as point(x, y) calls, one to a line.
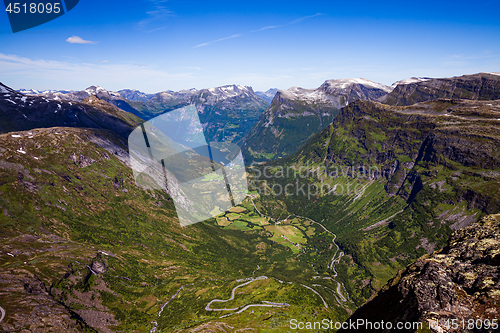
point(482, 86)
point(460, 283)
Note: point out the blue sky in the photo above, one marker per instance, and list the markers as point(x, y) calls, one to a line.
point(155, 45)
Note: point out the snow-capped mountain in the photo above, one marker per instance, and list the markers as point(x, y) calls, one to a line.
point(268, 95)
point(76, 96)
point(354, 89)
point(28, 91)
point(182, 96)
point(45, 93)
point(225, 96)
point(297, 114)
point(209, 96)
point(230, 91)
point(227, 112)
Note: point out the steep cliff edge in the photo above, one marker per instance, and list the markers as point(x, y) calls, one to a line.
point(459, 284)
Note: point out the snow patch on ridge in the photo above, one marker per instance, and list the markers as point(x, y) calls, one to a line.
point(345, 83)
point(410, 80)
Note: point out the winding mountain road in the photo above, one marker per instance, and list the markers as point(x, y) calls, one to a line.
point(268, 304)
point(232, 295)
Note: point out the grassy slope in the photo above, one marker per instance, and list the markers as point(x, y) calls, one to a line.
point(69, 212)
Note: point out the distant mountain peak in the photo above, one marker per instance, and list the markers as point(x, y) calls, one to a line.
point(135, 95)
point(267, 95)
point(95, 90)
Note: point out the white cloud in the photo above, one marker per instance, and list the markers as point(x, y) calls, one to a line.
point(155, 17)
point(217, 40)
point(79, 40)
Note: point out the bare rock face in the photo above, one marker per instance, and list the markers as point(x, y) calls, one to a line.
point(99, 267)
point(82, 161)
point(460, 282)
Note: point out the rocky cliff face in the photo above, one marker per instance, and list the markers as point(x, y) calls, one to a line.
point(460, 283)
point(441, 144)
point(297, 114)
point(482, 86)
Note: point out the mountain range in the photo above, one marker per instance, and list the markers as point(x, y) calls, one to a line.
point(387, 218)
point(227, 112)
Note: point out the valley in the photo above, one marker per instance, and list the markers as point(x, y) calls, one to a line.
point(350, 184)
